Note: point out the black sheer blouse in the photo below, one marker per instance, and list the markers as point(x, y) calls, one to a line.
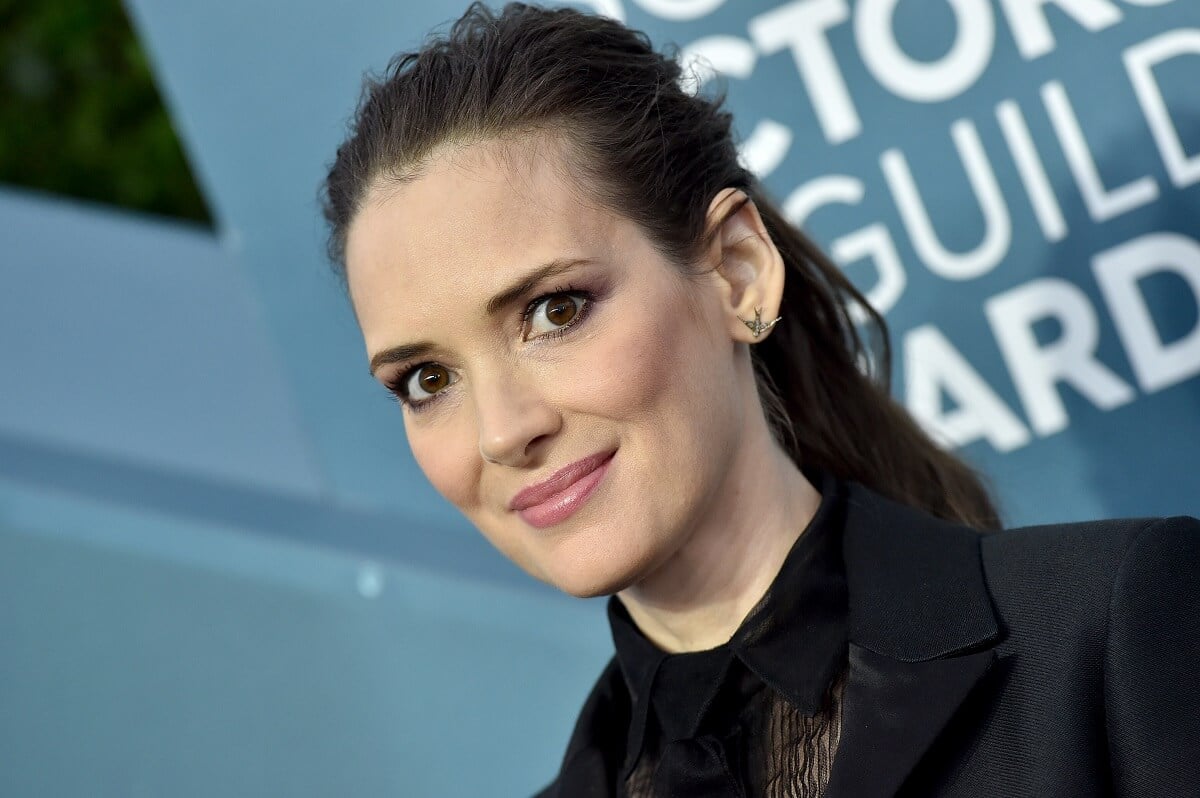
point(761, 714)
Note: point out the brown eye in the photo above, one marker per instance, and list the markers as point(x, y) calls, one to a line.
point(433, 378)
point(424, 381)
point(560, 310)
point(554, 312)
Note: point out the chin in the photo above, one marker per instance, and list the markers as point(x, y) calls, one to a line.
point(585, 587)
point(591, 583)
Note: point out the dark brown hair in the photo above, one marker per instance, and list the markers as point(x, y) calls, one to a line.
point(657, 154)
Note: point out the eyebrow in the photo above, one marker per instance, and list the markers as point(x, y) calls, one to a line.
point(517, 289)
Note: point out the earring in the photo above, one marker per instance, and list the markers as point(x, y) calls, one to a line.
point(758, 326)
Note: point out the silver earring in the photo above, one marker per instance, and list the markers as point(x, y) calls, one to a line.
point(758, 326)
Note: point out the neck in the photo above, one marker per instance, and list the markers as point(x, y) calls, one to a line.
point(697, 599)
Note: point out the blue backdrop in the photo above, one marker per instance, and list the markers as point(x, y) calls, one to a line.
point(221, 572)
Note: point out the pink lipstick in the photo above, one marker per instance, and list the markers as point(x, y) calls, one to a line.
point(556, 498)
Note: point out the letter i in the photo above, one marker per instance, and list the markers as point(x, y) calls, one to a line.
point(1032, 170)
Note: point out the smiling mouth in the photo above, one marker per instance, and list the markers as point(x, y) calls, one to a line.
point(557, 498)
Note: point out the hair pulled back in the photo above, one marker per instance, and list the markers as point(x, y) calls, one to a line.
point(657, 154)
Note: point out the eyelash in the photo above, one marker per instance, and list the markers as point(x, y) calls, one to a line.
point(397, 388)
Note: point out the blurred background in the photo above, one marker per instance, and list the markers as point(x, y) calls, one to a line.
point(221, 572)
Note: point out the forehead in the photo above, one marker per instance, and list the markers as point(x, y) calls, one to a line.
point(476, 216)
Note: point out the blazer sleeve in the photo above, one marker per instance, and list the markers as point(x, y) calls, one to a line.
point(1152, 663)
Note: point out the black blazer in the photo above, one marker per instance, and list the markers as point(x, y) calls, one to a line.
point(1052, 661)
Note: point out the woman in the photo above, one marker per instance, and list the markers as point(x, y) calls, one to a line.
point(624, 366)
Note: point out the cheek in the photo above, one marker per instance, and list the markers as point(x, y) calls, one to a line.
point(662, 369)
point(449, 459)
point(622, 374)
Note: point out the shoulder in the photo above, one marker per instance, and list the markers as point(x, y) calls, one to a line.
point(1101, 631)
point(1086, 550)
point(1151, 647)
point(1059, 586)
point(1155, 589)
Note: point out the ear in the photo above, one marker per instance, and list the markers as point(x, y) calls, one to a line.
point(747, 262)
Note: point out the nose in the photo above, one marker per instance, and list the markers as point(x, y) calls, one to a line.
point(513, 415)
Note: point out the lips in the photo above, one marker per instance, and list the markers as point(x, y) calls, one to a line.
point(557, 498)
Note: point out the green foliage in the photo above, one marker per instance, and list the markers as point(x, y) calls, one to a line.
point(80, 114)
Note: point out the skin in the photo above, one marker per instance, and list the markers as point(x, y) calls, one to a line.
point(699, 505)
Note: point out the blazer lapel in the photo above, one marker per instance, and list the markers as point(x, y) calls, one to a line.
point(922, 632)
point(891, 713)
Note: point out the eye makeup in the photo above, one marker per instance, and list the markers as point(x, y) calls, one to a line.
point(585, 300)
point(399, 387)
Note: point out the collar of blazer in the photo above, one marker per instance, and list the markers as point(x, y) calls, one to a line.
point(922, 632)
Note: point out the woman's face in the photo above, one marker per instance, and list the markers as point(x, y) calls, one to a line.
point(564, 386)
